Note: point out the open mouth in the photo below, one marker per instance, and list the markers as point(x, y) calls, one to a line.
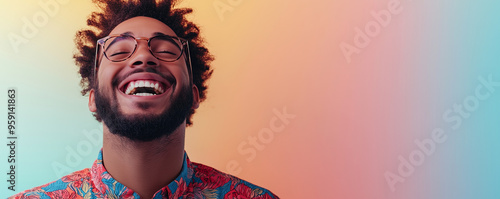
point(143, 88)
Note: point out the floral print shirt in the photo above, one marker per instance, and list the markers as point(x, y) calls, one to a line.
point(195, 181)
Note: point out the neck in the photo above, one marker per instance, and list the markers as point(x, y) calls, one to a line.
point(144, 167)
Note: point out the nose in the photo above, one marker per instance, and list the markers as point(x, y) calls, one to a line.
point(142, 56)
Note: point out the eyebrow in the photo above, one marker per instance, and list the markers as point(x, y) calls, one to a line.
point(128, 33)
point(115, 40)
point(161, 34)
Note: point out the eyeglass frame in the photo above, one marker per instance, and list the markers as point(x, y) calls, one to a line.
point(184, 42)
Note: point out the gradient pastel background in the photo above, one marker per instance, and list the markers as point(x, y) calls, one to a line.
point(352, 120)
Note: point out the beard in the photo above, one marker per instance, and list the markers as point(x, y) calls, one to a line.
point(144, 127)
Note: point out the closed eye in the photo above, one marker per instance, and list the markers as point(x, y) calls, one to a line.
point(167, 52)
point(119, 53)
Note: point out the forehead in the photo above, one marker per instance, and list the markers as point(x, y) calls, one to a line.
point(142, 27)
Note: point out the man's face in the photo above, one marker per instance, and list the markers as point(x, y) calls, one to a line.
point(135, 116)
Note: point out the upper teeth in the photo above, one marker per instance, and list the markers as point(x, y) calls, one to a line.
point(133, 85)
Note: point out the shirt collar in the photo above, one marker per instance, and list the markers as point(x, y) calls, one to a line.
point(108, 186)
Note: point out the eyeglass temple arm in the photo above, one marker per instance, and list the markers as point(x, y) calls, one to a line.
point(95, 63)
point(189, 62)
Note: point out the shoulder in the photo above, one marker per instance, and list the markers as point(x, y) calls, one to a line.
point(69, 186)
point(208, 178)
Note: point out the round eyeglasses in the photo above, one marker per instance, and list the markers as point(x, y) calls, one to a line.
point(118, 48)
point(167, 48)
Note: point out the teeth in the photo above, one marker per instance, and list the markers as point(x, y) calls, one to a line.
point(144, 94)
point(131, 88)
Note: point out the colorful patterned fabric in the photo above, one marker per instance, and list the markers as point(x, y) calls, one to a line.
point(195, 181)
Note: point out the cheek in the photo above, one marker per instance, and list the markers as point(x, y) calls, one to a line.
point(106, 73)
point(180, 72)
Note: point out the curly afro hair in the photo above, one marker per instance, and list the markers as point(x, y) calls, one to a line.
point(113, 12)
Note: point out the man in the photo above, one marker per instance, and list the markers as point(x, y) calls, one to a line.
point(144, 68)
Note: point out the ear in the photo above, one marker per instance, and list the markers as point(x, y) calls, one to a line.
point(196, 97)
point(92, 106)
